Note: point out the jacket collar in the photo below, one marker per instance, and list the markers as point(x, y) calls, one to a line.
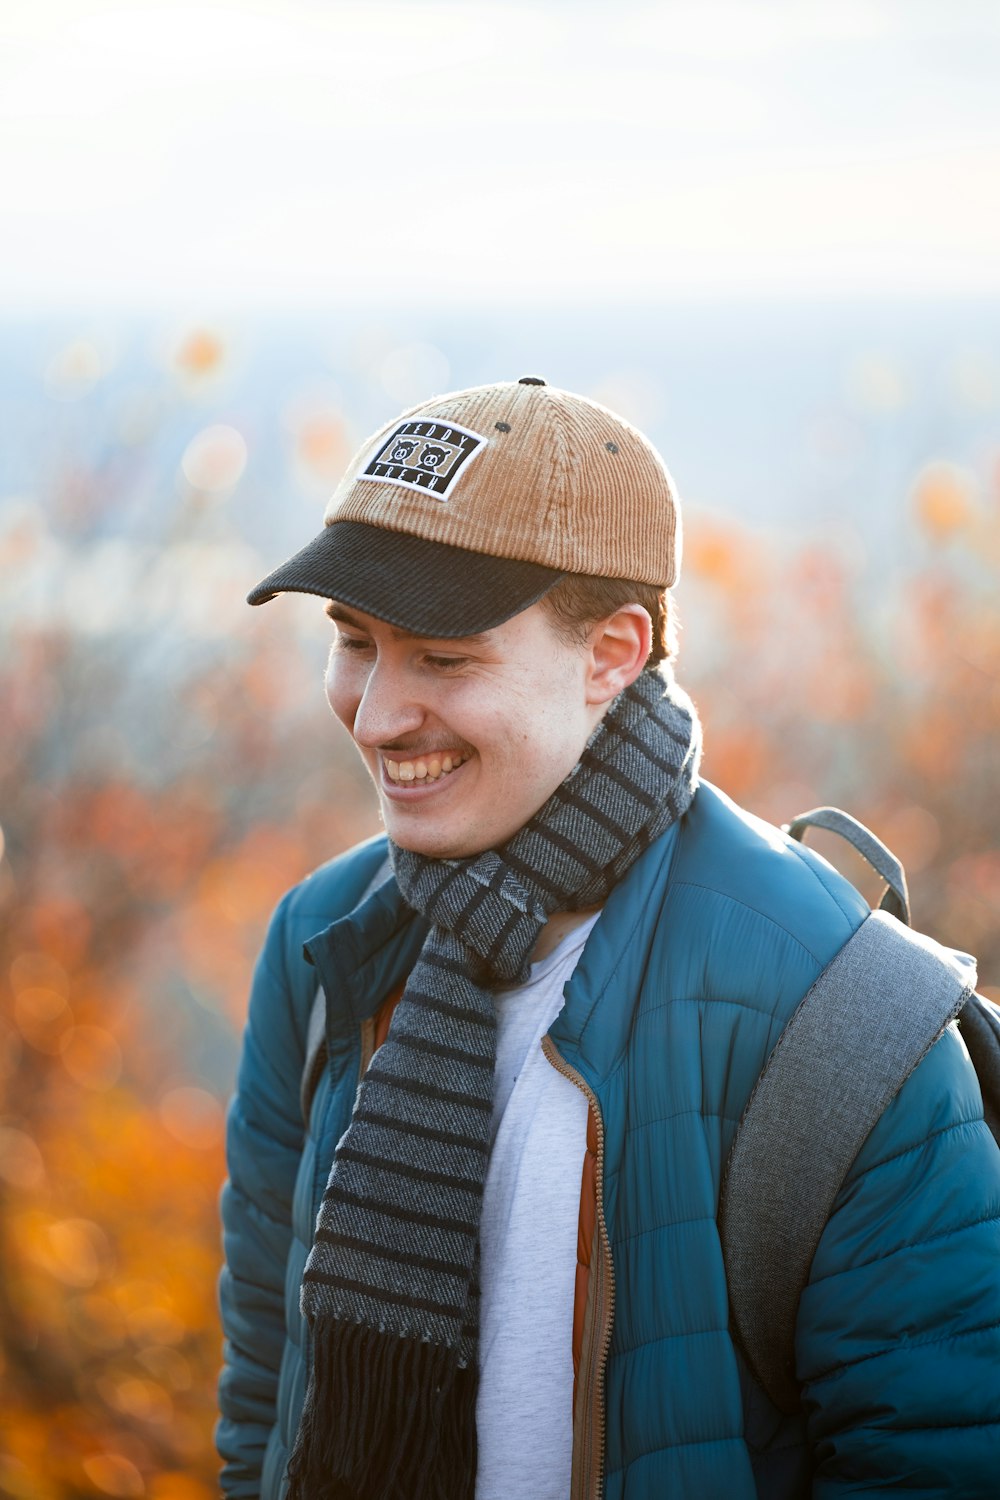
point(589, 1036)
point(365, 955)
point(362, 957)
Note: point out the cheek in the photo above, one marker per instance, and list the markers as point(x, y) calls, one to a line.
point(343, 692)
point(558, 735)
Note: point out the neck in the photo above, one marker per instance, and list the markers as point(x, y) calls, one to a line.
point(559, 925)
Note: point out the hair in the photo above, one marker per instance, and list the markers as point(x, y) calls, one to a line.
point(579, 600)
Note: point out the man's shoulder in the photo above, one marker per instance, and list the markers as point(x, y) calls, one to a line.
point(735, 870)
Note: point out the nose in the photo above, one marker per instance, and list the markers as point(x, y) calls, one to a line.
point(386, 709)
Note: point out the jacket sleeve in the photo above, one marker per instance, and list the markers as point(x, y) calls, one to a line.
point(898, 1338)
point(264, 1143)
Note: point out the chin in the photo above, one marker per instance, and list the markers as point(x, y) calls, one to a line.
point(435, 844)
point(431, 844)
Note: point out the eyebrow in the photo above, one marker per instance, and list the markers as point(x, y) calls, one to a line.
point(343, 616)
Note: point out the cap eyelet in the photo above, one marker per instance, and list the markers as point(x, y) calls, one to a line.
point(611, 447)
point(502, 426)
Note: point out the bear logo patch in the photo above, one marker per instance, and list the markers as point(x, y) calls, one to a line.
point(426, 455)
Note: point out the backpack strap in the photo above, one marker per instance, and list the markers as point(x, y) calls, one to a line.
point(979, 1024)
point(895, 897)
point(316, 1051)
point(853, 1041)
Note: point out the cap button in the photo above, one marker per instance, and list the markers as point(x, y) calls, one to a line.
point(531, 380)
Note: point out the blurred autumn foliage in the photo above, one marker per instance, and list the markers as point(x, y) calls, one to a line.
point(168, 768)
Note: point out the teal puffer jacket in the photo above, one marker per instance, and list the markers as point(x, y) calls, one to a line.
point(698, 960)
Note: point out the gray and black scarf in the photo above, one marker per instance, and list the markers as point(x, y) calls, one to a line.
point(391, 1287)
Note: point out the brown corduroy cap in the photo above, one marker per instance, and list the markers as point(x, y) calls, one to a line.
point(468, 508)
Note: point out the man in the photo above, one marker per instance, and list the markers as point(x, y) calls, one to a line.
point(573, 965)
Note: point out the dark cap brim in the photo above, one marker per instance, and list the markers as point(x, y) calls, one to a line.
point(429, 588)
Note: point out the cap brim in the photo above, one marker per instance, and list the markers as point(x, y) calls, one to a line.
point(429, 588)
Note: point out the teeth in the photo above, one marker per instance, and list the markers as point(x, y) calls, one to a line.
point(431, 769)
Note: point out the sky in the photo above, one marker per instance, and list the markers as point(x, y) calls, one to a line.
point(290, 154)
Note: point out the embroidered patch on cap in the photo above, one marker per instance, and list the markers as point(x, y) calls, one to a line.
point(425, 455)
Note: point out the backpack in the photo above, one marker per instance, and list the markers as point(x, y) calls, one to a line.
point(870, 1017)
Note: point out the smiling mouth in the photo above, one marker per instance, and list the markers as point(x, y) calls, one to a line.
point(425, 768)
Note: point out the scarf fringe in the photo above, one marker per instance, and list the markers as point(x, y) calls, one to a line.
point(385, 1418)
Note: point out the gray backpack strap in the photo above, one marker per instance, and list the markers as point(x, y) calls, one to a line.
point(315, 1052)
point(315, 1061)
point(895, 898)
point(855, 1038)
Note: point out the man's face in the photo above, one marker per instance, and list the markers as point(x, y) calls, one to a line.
point(464, 739)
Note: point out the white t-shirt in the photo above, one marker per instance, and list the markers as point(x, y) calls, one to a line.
point(528, 1246)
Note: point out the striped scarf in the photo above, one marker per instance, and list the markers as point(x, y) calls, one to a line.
point(391, 1286)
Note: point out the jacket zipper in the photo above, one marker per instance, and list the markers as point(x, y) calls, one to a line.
point(588, 1445)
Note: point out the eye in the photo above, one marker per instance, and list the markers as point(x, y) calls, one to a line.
point(445, 663)
point(342, 642)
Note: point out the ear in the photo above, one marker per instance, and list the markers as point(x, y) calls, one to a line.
point(619, 648)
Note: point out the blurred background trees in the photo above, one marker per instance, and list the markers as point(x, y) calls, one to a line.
point(768, 234)
point(168, 768)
